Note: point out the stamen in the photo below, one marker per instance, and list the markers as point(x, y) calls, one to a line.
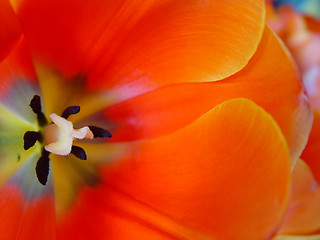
point(100, 132)
point(35, 104)
point(30, 138)
point(58, 137)
point(79, 152)
point(70, 110)
point(42, 168)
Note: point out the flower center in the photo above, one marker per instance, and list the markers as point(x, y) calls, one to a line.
point(58, 137)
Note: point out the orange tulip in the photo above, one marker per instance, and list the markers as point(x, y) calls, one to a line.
point(206, 109)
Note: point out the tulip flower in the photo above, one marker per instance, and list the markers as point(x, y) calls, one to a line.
point(146, 120)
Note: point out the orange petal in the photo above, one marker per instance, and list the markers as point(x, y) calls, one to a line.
point(24, 220)
point(269, 79)
point(61, 32)
point(119, 217)
point(10, 30)
point(139, 45)
point(27, 212)
point(303, 214)
point(178, 42)
point(208, 180)
point(27, 208)
point(11, 203)
point(16, 66)
point(311, 154)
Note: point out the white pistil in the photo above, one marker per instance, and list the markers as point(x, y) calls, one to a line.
point(60, 135)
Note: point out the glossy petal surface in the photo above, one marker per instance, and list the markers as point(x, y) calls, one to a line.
point(208, 180)
point(269, 80)
point(135, 46)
